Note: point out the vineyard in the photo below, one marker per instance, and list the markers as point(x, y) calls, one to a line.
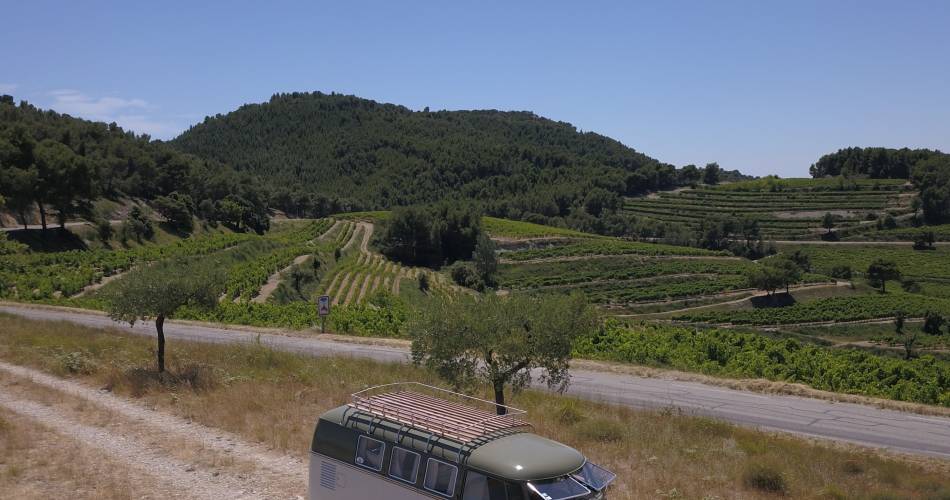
point(736, 354)
point(832, 309)
point(602, 246)
point(785, 209)
point(917, 264)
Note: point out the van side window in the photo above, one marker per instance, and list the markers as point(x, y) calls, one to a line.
point(480, 487)
point(369, 453)
point(440, 477)
point(404, 465)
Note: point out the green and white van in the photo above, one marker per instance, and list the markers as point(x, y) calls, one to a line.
point(401, 442)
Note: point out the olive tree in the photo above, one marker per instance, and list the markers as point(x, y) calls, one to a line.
point(157, 291)
point(501, 341)
point(880, 271)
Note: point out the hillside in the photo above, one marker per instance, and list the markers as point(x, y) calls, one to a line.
point(328, 153)
point(54, 167)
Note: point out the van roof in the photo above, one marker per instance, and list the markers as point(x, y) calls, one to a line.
point(509, 453)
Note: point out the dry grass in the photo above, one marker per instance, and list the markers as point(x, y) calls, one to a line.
point(274, 398)
point(35, 463)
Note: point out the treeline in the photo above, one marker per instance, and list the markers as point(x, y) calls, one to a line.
point(932, 177)
point(52, 163)
point(327, 153)
point(876, 163)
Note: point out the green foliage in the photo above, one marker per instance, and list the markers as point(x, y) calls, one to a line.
point(500, 340)
point(877, 163)
point(465, 274)
point(177, 209)
point(736, 354)
point(852, 308)
point(913, 264)
point(621, 268)
point(31, 276)
point(486, 261)
point(711, 174)
point(349, 154)
point(505, 228)
point(54, 160)
point(430, 236)
point(159, 289)
point(932, 177)
point(880, 271)
point(383, 315)
point(137, 226)
point(604, 246)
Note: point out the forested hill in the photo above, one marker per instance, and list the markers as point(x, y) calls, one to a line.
point(877, 163)
point(364, 155)
point(58, 164)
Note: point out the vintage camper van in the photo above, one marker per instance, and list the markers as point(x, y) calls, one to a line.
point(410, 441)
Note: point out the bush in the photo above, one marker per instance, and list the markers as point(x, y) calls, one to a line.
point(137, 226)
point(843, 272)
point(465, 274)
point(76, 363)
point(764, 478)
point(933, 322)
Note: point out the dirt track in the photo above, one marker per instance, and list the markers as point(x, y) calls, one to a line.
point(174, 450)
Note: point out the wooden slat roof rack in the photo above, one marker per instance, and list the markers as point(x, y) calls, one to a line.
point(398, 402)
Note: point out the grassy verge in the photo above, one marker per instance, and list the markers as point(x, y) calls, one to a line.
point(274, 398)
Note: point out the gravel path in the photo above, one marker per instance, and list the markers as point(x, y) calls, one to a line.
point(274, 280)
point(276, 475)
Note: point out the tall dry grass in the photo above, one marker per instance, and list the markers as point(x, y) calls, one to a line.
point(274, 398)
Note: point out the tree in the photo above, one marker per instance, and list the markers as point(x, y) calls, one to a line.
point(177, 209)
point(880, 271)
point(711, 173)
point(63, 178)
point(933, 322)
point(924, 240)
point(828, 222)
point(764, 278)
point(500, 341)
point(906, 338)
point(486, 261)
point(786, 270)
point(157, 291)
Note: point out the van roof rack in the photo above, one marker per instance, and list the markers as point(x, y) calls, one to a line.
point(449, 419)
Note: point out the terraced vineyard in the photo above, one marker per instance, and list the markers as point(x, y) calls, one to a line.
point(834, 309)
point(922, 265)
point(360, 272)
point(791, 209)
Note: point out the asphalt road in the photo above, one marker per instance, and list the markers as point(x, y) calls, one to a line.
point(854, 423)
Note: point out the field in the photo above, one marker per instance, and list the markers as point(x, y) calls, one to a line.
point(787, 209)
point(923, 265)
point(272, 398)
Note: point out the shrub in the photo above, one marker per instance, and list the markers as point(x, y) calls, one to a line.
point(933, 322)
point(764, 478)
point(843, 272)
point(465, 274)
point(76, 363)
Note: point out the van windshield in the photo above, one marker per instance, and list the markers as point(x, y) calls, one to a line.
point(558, 489)
point(594, 476)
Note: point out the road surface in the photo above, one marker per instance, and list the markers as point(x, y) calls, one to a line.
point(853, 423)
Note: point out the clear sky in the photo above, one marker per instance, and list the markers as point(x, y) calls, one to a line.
point(762, 86)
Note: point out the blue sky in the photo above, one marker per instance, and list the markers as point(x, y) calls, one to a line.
point(763, 86)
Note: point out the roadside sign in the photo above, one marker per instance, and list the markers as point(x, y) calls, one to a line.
point(323, 305)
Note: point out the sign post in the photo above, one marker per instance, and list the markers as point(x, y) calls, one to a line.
point(323, 309)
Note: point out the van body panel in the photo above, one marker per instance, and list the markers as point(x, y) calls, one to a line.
point(332, 479)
